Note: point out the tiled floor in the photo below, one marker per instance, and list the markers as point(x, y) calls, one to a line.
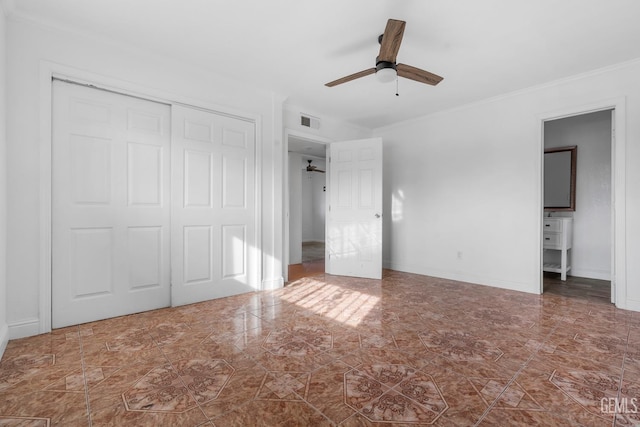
point(408, 350)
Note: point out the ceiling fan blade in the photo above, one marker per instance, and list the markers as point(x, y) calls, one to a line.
point(422, 76)
point(391, 39)
point(312, 168)
point(351, 77)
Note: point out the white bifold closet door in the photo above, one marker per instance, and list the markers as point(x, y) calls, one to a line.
point(111, 204)
point(213, 238)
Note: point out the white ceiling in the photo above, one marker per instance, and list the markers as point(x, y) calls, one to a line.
point(482, 48)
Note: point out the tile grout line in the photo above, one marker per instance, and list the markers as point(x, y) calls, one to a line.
point(513, 378)
point(302, 398)
point(84, 378)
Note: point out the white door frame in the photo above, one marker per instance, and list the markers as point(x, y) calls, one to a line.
point(618, 186)
point(285, 243)
point(49, 71)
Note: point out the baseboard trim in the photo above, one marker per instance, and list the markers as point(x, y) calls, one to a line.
point(4, 339)
point(271, 284)
point(458, 277)
point(24, 328)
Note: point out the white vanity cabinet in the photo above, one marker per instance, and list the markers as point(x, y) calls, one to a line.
point(557, 236)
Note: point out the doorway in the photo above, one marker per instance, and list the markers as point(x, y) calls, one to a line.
point(578, 240)
point(306, 206)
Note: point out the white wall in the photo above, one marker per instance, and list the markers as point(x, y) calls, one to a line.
point(331, 129)
point(3, 188)
point(458, 199)
point(462, 187)
point(32, 49)
point(295, 208)
point(591, 133)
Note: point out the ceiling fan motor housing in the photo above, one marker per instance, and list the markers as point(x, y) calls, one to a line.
point(380, 65)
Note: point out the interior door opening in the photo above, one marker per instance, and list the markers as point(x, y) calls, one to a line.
point(306, 207)
point(578, 238)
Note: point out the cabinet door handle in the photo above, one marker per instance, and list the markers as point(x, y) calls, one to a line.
point(547, 238)
point(547, 225)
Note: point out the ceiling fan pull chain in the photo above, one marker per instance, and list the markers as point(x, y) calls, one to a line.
point(397, 94)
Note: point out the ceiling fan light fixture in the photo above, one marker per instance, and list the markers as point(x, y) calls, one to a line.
point(386, 75)
point(386, 71)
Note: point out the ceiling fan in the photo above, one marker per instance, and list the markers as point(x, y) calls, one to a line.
point(386, 68)
point(313, 168)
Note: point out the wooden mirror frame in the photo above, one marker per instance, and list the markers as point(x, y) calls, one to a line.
point(572, 202)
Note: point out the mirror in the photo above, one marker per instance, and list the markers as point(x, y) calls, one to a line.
point(560, 178)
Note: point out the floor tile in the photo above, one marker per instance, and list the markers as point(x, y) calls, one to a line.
point(408, 350)
point(273, 413)
point(118, 415)
point(243, 387)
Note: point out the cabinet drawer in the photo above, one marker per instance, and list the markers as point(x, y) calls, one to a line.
point(551, 224)
point(551, 240)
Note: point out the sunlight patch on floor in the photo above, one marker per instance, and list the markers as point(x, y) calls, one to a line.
point(334, 302)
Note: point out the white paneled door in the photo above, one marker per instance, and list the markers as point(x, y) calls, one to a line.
point(213, 236)
point(354, 217)
point(110, 205)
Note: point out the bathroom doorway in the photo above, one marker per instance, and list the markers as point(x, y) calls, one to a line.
point(581, 233)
